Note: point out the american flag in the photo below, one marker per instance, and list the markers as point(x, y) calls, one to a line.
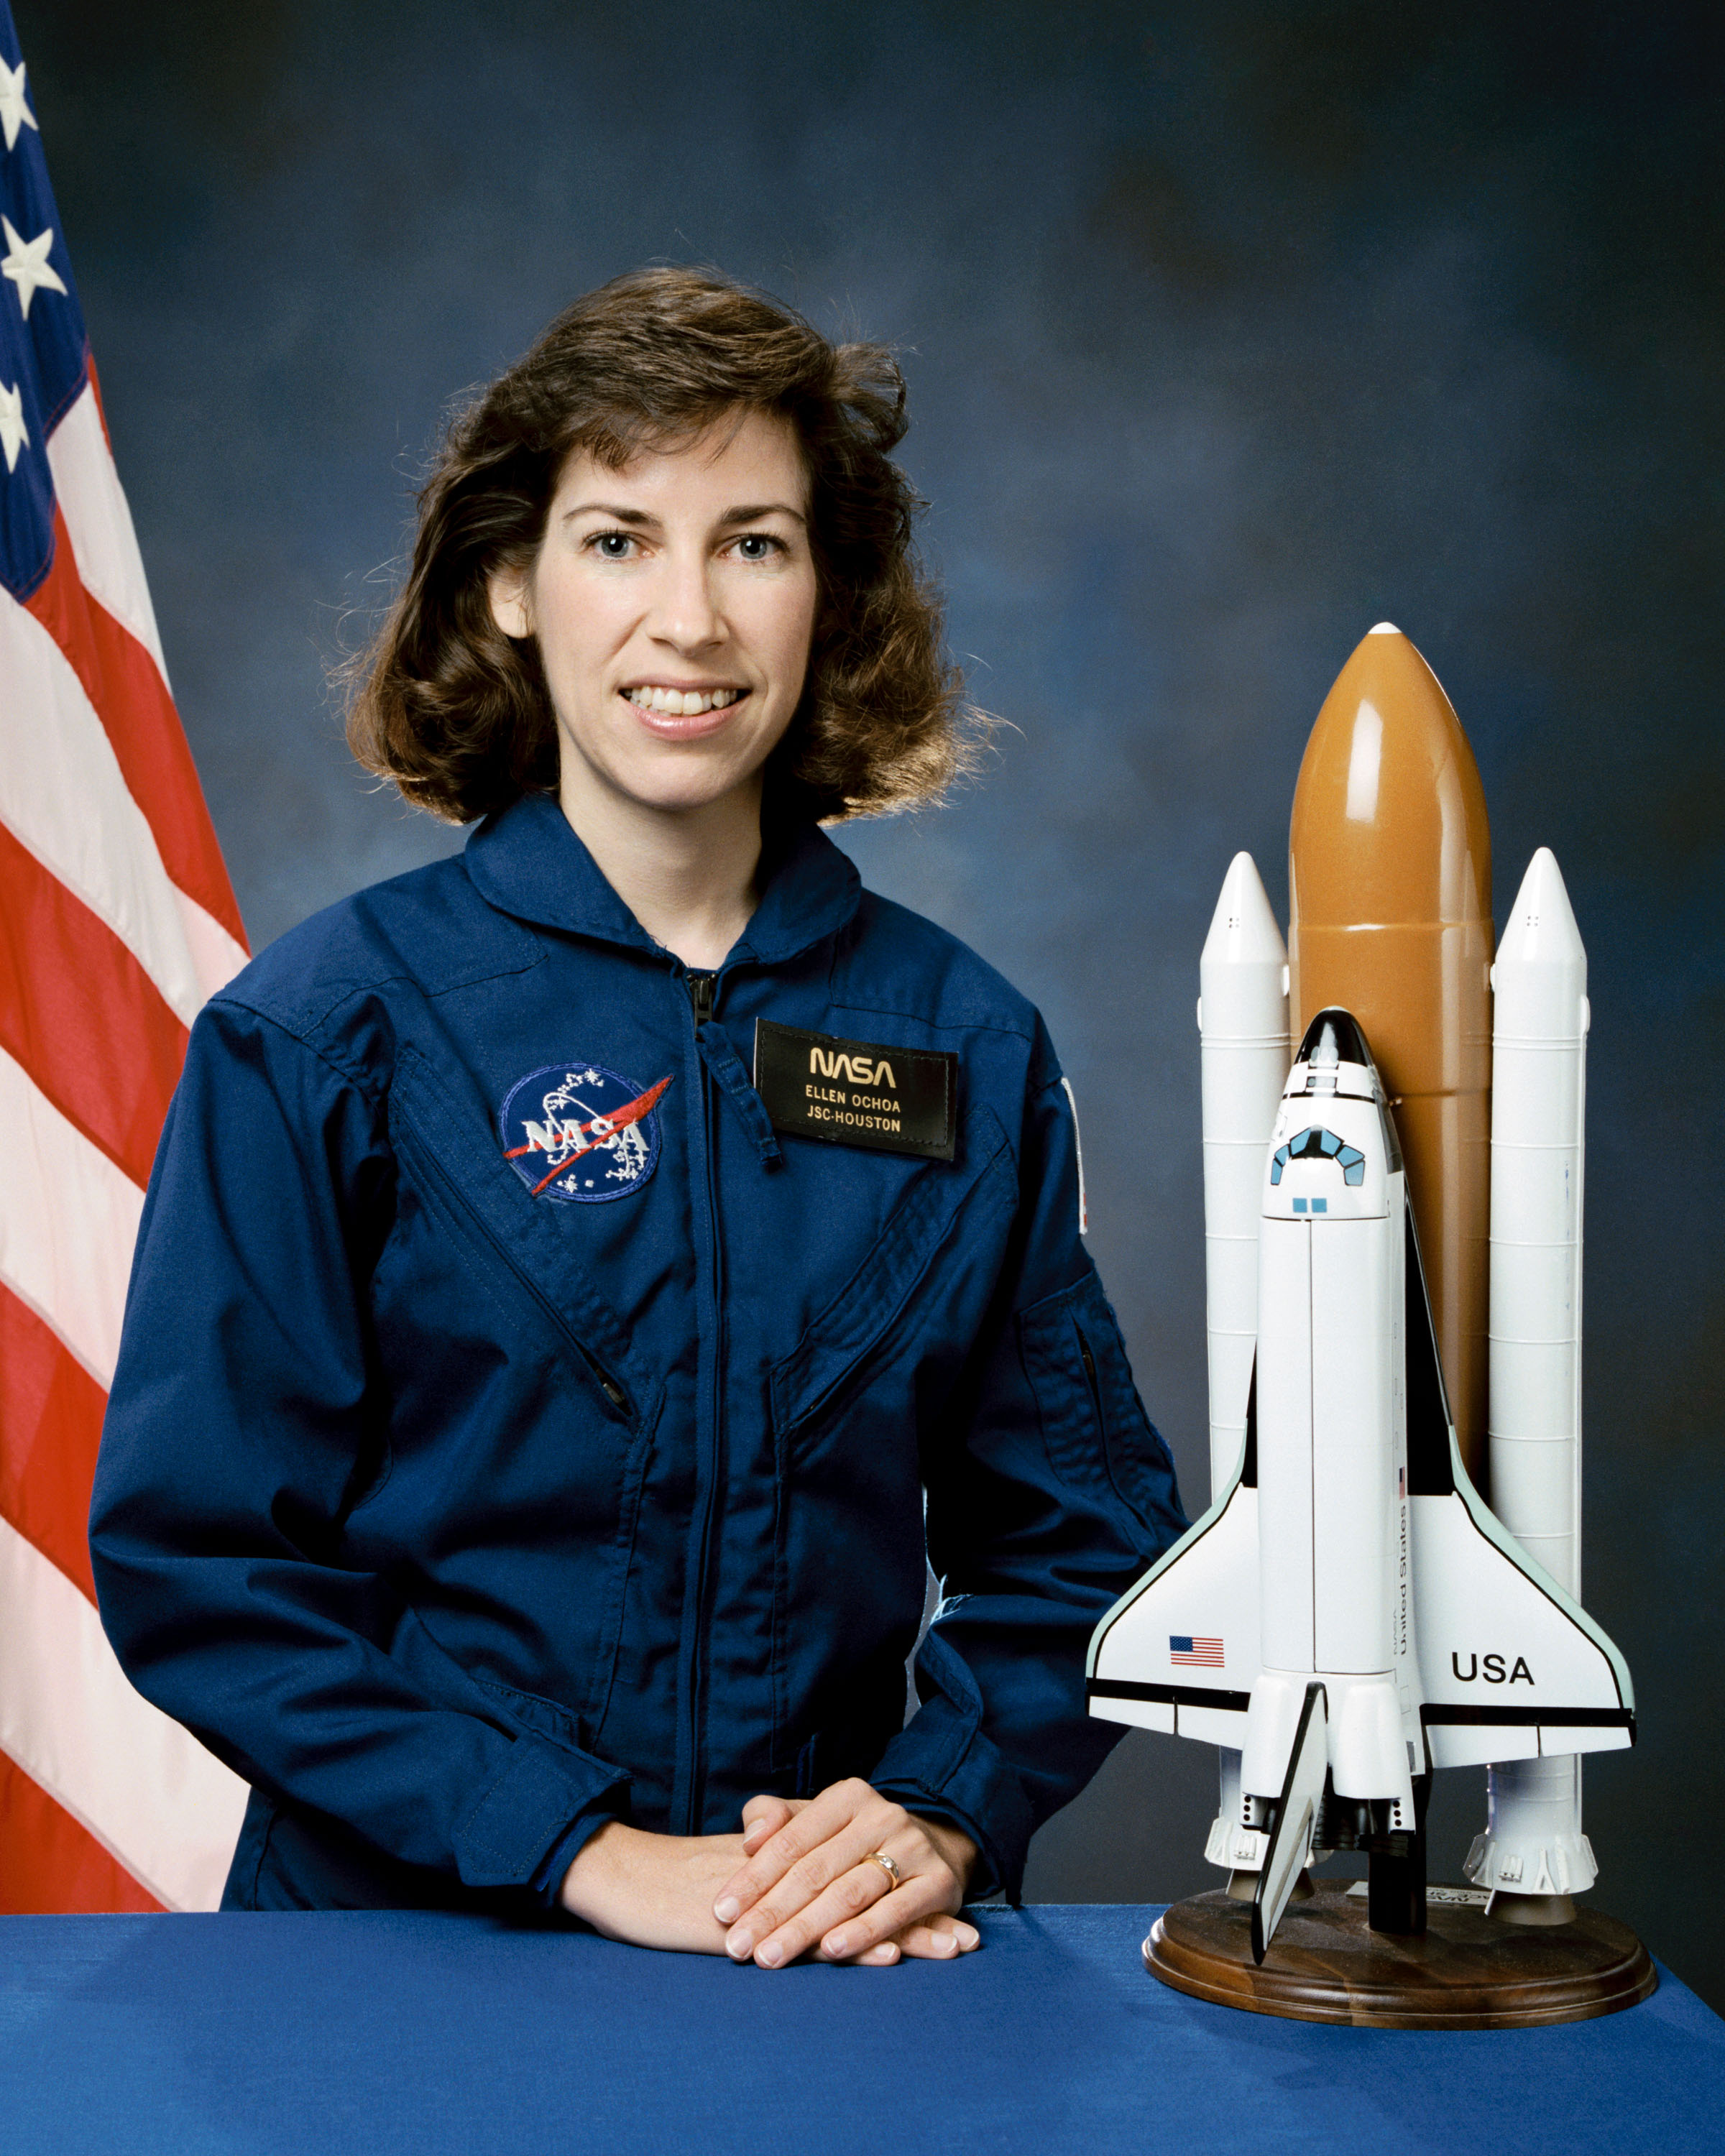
point(116, 921)
point(1195, 1653)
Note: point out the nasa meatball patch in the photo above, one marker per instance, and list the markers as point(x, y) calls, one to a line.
point(577, 1133)
point(866, 1093)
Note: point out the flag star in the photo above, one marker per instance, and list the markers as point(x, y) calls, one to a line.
point(14, 434)
point(26, 263)
point(14, 113)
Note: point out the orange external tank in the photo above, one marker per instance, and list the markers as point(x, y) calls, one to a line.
point(1389, 895)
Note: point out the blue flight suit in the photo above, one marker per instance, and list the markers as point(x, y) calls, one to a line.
point(461, 1508)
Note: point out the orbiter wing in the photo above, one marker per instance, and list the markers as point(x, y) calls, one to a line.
point(1510, 1665)
point(1179, 1652)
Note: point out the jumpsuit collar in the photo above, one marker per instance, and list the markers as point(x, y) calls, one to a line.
point(526, 860)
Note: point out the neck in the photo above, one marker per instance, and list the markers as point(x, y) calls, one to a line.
point(687, 875)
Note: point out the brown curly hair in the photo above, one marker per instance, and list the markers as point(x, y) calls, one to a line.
point(457, 714)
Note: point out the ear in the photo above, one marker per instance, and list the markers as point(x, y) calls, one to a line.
point(507, 590)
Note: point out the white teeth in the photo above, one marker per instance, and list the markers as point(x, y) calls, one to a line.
point(682, 703)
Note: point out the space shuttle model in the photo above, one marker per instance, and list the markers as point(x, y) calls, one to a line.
point(1393, 1238)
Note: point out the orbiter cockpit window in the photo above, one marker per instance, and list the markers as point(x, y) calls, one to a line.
point(1313, 1143)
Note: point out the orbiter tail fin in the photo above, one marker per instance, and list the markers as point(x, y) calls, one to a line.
point(1296, 1811)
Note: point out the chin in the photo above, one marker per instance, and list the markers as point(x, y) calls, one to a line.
point(681, 781)
point(686, 792)
point(670, 779)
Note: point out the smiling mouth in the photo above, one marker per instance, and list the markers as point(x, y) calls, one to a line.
point(682, 703)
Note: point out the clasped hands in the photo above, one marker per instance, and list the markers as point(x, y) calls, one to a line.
point(796, 1881)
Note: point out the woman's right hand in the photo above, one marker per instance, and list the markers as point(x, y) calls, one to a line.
point(801, 1882)
point(657, 1889)
point(653, 1890)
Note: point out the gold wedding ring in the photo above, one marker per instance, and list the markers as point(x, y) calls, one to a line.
point(887, 1866)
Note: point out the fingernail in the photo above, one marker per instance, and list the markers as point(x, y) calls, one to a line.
point(728, 1911)
point(770, 1954)
point(949, 1942)
point(836, 1944)
point(740, 1945)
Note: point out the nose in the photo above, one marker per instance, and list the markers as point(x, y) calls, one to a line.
point(685, 615)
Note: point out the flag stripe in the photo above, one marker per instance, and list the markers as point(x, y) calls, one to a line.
point(129, 696)
point(50, 1864)
point(63, 798)
point(112, 570)
point(50, 1424)
point(139, 716)
point(79, 1012)
point(88, 489)
point(68, 1221)
point(216, 958)
point(145, 1789)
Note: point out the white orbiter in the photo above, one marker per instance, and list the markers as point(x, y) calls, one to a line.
point(1348, 1614)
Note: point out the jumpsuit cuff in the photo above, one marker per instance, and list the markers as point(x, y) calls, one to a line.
point(512, 1836)
point(546, 1883)
point(942, 1764)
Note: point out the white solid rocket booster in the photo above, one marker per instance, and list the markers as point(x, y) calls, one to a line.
point(1533, 1853)
point(1243, 1020)
point(1243, 1025)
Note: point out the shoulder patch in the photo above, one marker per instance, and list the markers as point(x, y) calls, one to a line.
point(578, 1133)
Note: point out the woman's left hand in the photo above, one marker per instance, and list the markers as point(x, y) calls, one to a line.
point(808, 1883)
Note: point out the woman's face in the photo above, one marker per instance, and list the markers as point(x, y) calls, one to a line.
point(674, 603)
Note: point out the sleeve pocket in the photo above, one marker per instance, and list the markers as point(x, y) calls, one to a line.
point(1099, 1439)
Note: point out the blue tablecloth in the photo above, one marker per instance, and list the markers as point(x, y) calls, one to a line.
point(412, 2034)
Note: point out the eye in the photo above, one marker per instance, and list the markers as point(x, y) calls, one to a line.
point(612, 546)
point(757, 546)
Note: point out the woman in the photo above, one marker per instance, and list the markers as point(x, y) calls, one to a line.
point(571, 1271)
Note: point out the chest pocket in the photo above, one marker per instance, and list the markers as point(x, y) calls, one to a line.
point(457, 1160)
point(981, 1184)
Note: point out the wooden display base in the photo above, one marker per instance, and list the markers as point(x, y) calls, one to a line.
point(1469, 1971)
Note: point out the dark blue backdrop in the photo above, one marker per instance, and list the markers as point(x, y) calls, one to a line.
point(1231, 329)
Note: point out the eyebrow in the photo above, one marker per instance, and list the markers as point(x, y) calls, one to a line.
point(746, 513)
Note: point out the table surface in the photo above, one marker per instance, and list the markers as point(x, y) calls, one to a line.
point(332, 2034)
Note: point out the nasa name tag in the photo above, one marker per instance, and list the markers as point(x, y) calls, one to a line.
point(857, 1093)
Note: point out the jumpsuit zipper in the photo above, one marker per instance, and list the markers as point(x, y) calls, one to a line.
point(703, 989)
